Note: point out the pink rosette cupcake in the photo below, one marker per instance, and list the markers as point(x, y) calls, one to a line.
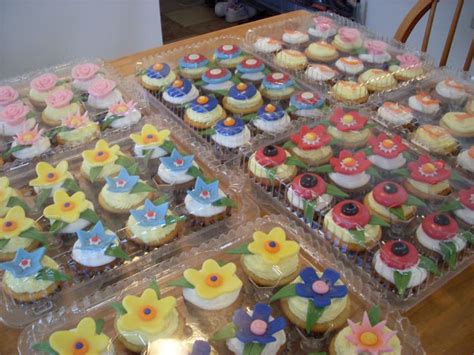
point(83, 75)
point(59, 106)
point(323, 28)
point(375, 52)
point(347, 39)
point(103, 94)
point(8, 95)
point(14, 118)
point(29, 143)
point(409, 67)
point(41, 87)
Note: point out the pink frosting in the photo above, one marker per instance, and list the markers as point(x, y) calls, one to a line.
point(349, 34)
point(8, 95)
point(60, 98)
point(375, 46)
point(14, 114)
point(408, 60)
point(323, 23)
point(29, 136)
point(258, 327)
point(44, 82)
point(85, 71)
point(320, 287)
point(101, 87)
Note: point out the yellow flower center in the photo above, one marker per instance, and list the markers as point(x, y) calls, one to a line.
point(158, 66)
point(101, 156)
point(28, 137)
point(9, 226)
point(347, 118)
point(241, 86)
point(229, 121)
point(202, 100)
point(121, 108)
point(150, 138)
point(388, 143)
point(177, 83)
point(311, 136)
point(350, 162)
point(272, 246)
point(50, 177)
point(68, 206)
point(270, 108)
point(428, 168)
point(369, 338)
point(75, 121)
point(80, 347)
point(214, 280)
point(147, 313)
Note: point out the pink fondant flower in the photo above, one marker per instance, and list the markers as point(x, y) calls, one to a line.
point(76, 120)
point(44, 82)
point(101, 87)
point(408, 60)
point(348, 34)
point(60, 98)
point(375, 46)
point(14, 114)
point(29, 136)
point(8, 95)
point(122, 108)
point(85, 71)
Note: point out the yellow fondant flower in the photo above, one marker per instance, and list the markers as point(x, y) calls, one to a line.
point(213, 280)
point(5, 189)
point(150, 136)
point(273, 247)
point(102, 154)
point(66, 208)
point(146, 313)
point(14, 223)
point(48, 175)
point(80, 341)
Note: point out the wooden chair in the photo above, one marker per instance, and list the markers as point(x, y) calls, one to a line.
point(415, 15)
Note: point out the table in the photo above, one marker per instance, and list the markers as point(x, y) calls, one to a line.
point(445, 320)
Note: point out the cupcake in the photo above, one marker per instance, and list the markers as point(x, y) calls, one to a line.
point(469, 107)
point(315, 291)
point(306, 104)
point(323, 27)
point(31, 276)
point(122, 114)
point(387, 152)
point(371, 336)
point(96, 249)
point(269, 166)
point(152, 224)
point(231, 133)
point(267, 45)
point(375, 52)
point(29, 143)
point(143, 319)
point(213, 287)
point(69, 214)
point(14, 118)
point(390, 201)
point(87, 335)
point(320, 72)
point(218, 80)
point(242, 99)
point(50, 179)
point(59, 106)
point(83, 75)
point(294, 38)
point(251, 69)
point(9, 197)
point(151, 142)
point(124, 192)
point(103, 94)
point(100, 161)
point(311, 145)
point(206, 203)
point(277, 86)
point(395, 114)
point(465, 159)
point(204, 112)
point(398, 262)
point(77, 129)
point(459, 124)
point(351, 227)
point(228, 56)
point(465, 210)
point(41, 87)
point(290, 59)
point(349, 171)
point(157, 76)
point(347, 39)
point(8, 96)
point(450, 90)
point(321, 52)
point(350, 92)
point(435, 139)
point(424, 103)
point(409, 67)
point(181, 92)
point(192, 66)
point(349, 128)
point(349, 65)
point(428, 179)
point(177, 170)
point(377, 80)
point(272, 119)
point(439, 233)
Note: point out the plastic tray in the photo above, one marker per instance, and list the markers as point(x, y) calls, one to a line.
point(129, 89)
point(274, 199)
point(198, 326)
point(17, 314)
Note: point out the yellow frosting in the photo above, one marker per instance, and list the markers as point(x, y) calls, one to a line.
point(283, 171)
point(459, 122)
point(429, 188)
point(345, 347)
point(321, 49)
point(14, 244)
point(384, 211)
point(14, 223)
point(377, 78)
point(207, 117)
point(41, 96)
point(122, 200)
point(313, 154)
point(230, 61)
point(469, 108)
point(159, 82)
point(349, 90)
point(59, 114)
point(346, 46)
point(149, 234)
point(150, 136)
point(264, 270)
point(290, 59)
point(81, 134)
point(67, 208)
point(407, 73)
point(435, 138)
point(371, 232)
point(48, 176)
point(251, 102)
point(349, 136)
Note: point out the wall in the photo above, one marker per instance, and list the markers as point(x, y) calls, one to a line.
point(39, 33)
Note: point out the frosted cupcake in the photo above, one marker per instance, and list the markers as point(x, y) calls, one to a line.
point(277, 86)
point(8, 96)
point(251, 69)
point(192, 66)
point(267, 45)
point(294, 38)
point(291, 59)
point(242, 99)
point(157, 76)
point(311, 145)
point(41, 87)
point(100, 161)
point(323, 27)
point(435, 139)
point(122, 114)
point(350, 128)
point(151, 142)
point(465, 159)
point(349, 171)
point(272, 119)
point(465, 209)
point(217, 80)
point(387, 152)
point(459, 124)
point(83, 75)
point(51, 178)
point(178, 170)
point(181, 92)
point(30, 143)
point(375, 52)
point(59, 106)
point(321, 51)
point(377, 80)
point(103, 93)
point(320, 72)
point(451, 90)
point(350, 92)
point(395, 114)
point(228, 55)
point(204, 112)
point(14, 118)
point(306, 104)
point(408, 67)
point(77, 129)
point(231, 133)
point(10, 197)
point(270, 167)
point(347, 39)
point(349, 65)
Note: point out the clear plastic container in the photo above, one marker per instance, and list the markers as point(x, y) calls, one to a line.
point(202, 324)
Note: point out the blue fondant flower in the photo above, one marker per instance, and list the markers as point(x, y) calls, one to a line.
point(230, 126)
point(151, 215)
point(204, 104)
point(122, 183)
point(242, 91)
point(205, 193)
point(257, 328)
point(25, 264)
point(179, 88)
point(96, 238)
point(320, 289)
point(201, 347)
point(177, 162)
point(158, 71)
point(270, 112)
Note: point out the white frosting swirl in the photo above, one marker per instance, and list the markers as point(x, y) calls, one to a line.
point(466, 161)
point(388, 163)
point(213, 304)
point(237, 140)
point(276, 126)
point(38, 148)
point(350, 181)
point(179, 100)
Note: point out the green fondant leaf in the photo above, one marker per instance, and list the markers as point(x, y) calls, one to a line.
point(106, 122)
point(208, 132)
point(312, 316)
point(291, 109)
point(199, 83)
point(367, 151)
point(124, 161)
point(119, 308)
point(377, 221)
point(182, 282)
point(57, 226)
point(90, 216)
point(456, 177)
point(401, 281)
point(99, 325)
point(54, 131)
point(325, 123)
point(71, 185)
point(225, 201)
point(373, 172)
point(253, 349)
point(16, 201)
point(3, 242)
point(161, 199)
point(308, 211)
point(94, 173)
point(359, 236)
point(467, 236)
point(449, 206)
point(402, 172)
point(335, 141)
point(429, 265)
point(226, 332)
point(249, 117)
point(174, 219)
point(288, 145)
point(415, 201)
point(45, 348)
point(194, 171)
point(295, 162)
point(142, 187)
point(449, 253)
point(168, 146)
point(321, 169)
point(333, 190)
point(141, 72)
point(235, 79)
point(6, 154)
point(49, 274)
point(147, 156)
point(221, 92)
point(133, 169)
point(34, 234)
point(408, 156)
point(284, 292)
point(41, 198)
point(117, 252)
point(398, 212)
point(374, 315)
point(154, 286)
point(242, 249)
point(271, 173)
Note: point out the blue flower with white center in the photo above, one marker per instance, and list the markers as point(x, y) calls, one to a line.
point(122, 183)
point(151, 215)
point(25, 264)
point(96, 238)
point(204, 193)
point(177, 162)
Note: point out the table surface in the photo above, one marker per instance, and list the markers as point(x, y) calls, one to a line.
point(445, 320)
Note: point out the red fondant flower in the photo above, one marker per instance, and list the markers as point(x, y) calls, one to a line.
point(348, 121)
point(428, 171)
point(270, 156)
point(387, 147)
point(440, 226)
point(308, 139)
point(467, 197)
point(349, 164)
point(308, 186)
